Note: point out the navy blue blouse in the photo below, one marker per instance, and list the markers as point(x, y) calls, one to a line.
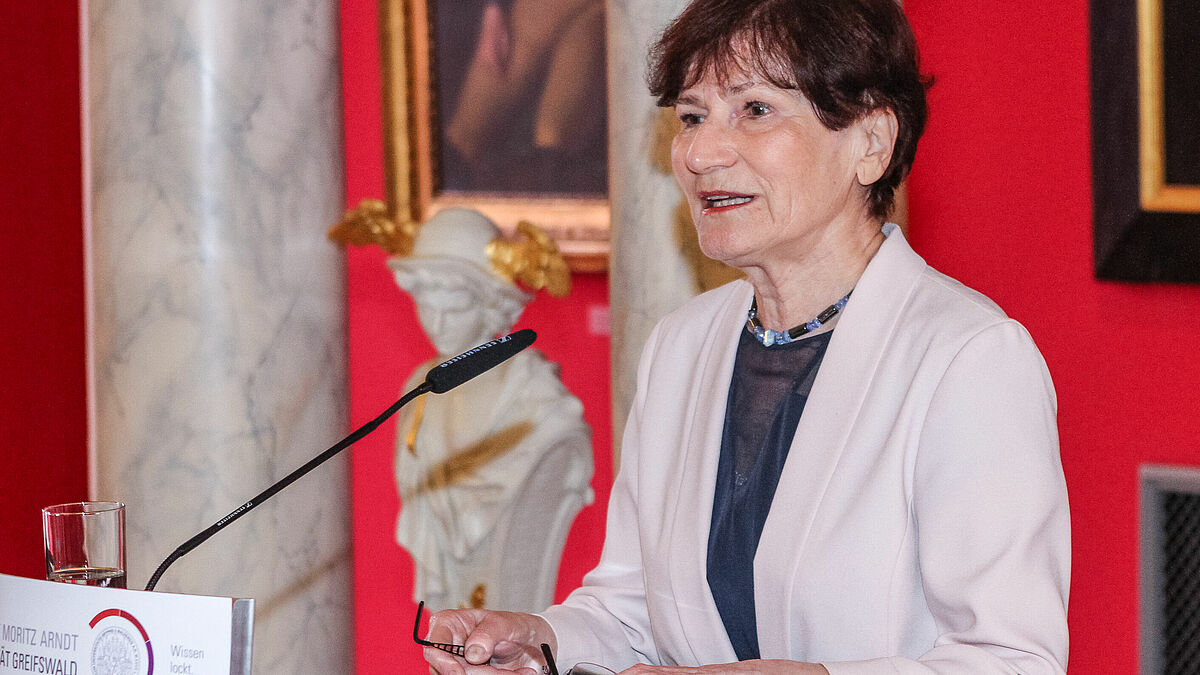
point(766, 398)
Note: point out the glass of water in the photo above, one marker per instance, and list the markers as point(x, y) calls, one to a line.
point(85, 543)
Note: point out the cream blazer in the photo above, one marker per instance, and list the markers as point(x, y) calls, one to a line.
point(920, 524)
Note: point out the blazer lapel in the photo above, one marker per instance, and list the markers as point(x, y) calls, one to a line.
point(850, 363)
point(703, 426)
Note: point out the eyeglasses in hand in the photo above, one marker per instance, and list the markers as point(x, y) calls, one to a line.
point(461, 650)
point(457, 650)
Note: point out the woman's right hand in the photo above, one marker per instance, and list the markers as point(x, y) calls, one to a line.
point(495, 642)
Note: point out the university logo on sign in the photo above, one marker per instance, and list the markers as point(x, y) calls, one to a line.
point(121, 645)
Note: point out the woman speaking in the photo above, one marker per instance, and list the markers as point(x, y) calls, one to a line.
point(845, 463)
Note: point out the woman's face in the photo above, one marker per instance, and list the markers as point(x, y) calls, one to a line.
point(764, 179)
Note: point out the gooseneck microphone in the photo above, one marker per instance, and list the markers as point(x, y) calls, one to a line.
point(449, 374)
point(439, 380)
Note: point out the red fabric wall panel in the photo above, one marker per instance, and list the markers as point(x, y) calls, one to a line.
point(43, 415)
point(1001, 199)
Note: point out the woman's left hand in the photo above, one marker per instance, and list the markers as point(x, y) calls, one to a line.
point(757, 667)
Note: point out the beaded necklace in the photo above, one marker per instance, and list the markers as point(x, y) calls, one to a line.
point(781, 337)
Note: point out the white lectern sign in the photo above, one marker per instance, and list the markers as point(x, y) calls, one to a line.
point(53, 628)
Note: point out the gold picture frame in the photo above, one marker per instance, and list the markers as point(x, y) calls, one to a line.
point(1156, 193)
point(1145, 185)
point(579, 225)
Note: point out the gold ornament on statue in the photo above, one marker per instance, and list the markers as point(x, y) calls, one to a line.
point(370, 223)
point(533, 260)
point(478, 597)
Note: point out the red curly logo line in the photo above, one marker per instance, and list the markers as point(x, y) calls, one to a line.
point(120, 613)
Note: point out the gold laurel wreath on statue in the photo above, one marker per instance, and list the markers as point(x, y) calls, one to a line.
point(370, 223)
point(532, 259)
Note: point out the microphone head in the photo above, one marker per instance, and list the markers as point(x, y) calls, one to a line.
point(448, 375)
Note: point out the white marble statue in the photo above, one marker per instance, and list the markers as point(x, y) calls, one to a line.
point(490, 474)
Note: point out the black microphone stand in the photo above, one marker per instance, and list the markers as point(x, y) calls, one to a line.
point(263, 496)
point(440, 379)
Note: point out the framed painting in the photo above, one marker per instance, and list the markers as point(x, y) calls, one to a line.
point(500, 105)
point(1146, 139)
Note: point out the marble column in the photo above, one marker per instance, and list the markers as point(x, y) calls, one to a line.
point(656, 264)
point(215, 166)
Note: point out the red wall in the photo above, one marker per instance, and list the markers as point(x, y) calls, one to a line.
point(43, 417)
point(1001, 199)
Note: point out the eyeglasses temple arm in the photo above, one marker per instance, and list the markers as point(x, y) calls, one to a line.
point(457, 650)
point(549, 659)
point(417, 623)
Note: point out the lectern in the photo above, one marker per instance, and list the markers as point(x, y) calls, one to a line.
point(65, 629)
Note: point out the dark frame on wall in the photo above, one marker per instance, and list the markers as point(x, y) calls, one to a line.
point(1146, 222)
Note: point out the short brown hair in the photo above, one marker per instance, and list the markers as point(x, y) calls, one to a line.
point(847, 57)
